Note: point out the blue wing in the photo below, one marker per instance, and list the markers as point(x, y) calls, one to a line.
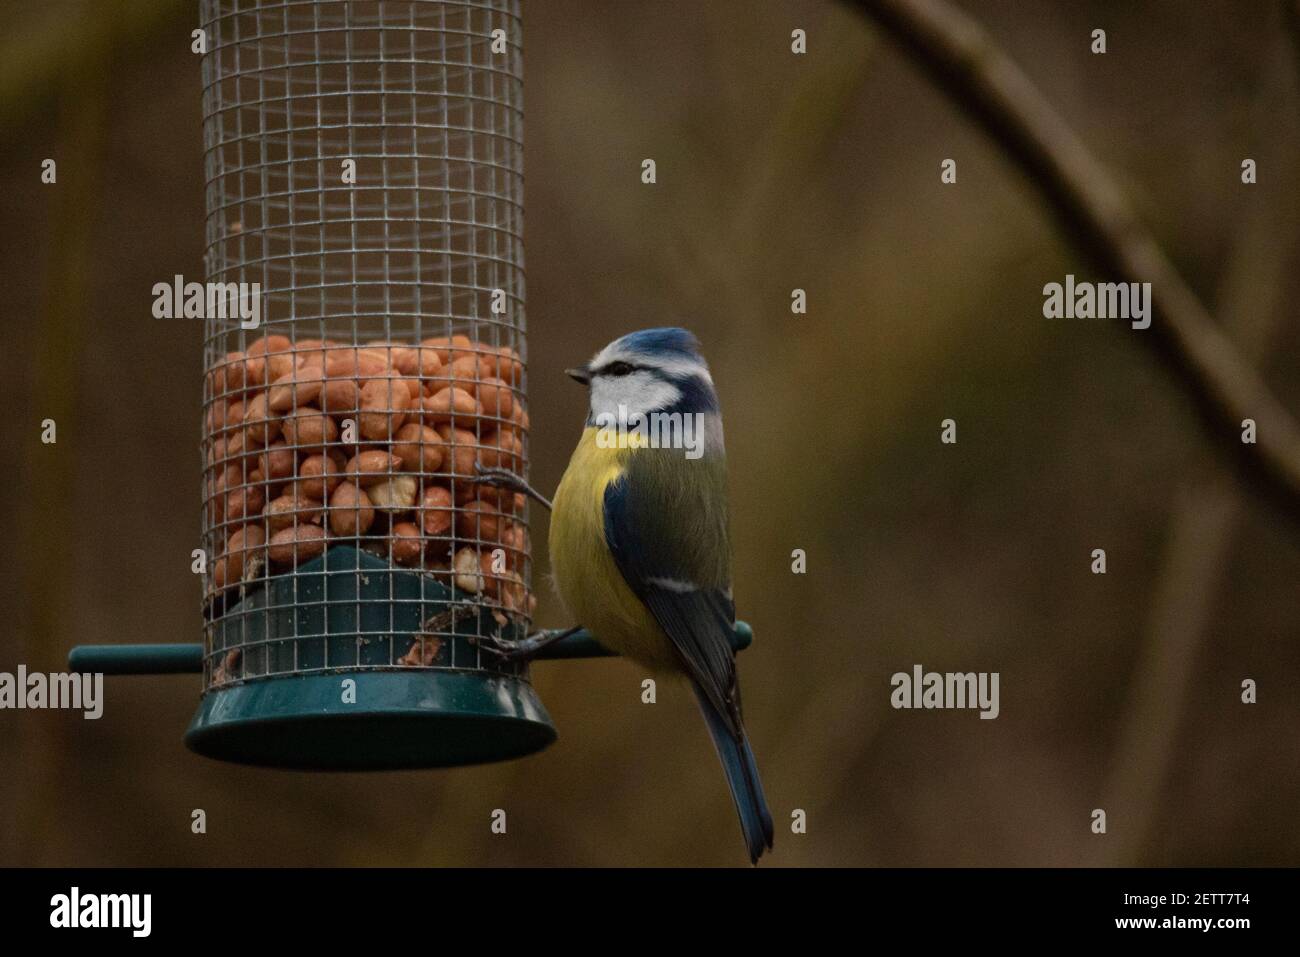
point(667, 533)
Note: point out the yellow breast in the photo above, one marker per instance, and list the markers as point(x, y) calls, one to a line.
point(590, 584)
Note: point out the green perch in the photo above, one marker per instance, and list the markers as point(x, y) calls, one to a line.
point(188, 659)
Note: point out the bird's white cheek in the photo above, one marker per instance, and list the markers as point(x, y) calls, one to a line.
point(635, 394)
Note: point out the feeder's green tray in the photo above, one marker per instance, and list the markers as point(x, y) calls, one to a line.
point(416, 719)
point(359, 614)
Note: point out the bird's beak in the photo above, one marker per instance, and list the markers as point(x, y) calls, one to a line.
point(581, 374)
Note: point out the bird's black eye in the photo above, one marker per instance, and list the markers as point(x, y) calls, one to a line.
point(618, 368)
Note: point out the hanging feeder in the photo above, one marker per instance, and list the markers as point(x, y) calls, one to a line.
point(364, 167)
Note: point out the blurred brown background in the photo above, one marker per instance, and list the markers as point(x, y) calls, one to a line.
point(776, 171)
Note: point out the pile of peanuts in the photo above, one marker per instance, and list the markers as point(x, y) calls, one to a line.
point(314, 441)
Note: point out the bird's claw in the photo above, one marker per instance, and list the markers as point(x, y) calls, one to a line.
point(494, 476)
point(498, 646)
point(504, 478)
point(526, 648)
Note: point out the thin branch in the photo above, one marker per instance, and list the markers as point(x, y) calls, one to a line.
point(1252, 304)
point(965, 63)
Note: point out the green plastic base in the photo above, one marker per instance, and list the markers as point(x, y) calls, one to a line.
point(295, 641)
point(401, 719)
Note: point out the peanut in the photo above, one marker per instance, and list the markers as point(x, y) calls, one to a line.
point(260, 424)
point(268, 358)
point(318, 475)
point(383, 407)
point(397, 494)
point(228, 376)
point(479, 521)
point(444, 346)
point(245, 502)
point(508, 366)
point(496, 398)
point(340, 396)
point(229, 569)
point(296, 387)
point(436, 510)
point(468, 571)
point(502, 450)
point(462, 450)
point(305, 427)
point(407, 544)
point(473, 368)
point(356, 363)
point(292, 509)
point(276, 461)
point(371, 467)
point(419, 362)
point(451, 404)
point(419, 448)
point(296, 544)
point(350, 511)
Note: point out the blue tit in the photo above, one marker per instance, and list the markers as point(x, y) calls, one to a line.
point(639, 537)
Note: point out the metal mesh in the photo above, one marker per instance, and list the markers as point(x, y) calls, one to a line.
point(390, 357)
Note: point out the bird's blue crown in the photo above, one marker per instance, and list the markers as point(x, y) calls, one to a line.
point(666, 341)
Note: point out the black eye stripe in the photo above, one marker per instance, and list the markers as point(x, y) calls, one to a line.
point(619, 368)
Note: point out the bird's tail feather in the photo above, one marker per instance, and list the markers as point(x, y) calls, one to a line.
point(742, 776)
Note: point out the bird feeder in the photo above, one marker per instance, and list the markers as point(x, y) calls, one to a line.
point(364, 184)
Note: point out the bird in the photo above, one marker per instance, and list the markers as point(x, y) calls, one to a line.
point(639, 537)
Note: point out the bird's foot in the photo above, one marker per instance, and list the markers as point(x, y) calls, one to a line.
point(504, 478)
point(525, 648)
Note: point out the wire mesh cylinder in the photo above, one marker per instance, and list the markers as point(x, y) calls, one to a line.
point(364, 168)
